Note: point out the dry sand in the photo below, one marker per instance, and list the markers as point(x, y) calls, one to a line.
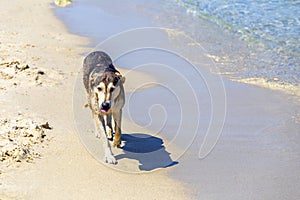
point(40, 61)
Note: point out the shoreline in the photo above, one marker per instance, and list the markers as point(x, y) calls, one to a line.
point(259, 140)
point(260, 48)
point(71, 20)
point(50, 47)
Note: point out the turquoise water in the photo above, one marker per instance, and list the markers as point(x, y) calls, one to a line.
point(271, 29)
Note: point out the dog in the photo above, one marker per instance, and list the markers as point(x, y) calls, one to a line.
point(106, 98)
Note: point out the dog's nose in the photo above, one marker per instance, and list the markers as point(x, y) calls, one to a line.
point(105, 106)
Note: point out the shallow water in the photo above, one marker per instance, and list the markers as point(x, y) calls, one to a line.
point(255, 39)
point(271, 28)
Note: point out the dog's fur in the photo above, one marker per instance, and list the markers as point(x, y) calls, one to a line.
point(106, 98)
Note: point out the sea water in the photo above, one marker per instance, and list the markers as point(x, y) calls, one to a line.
point(249, 39)
point(270, 30)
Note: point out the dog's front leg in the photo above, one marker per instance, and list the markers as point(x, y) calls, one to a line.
point(108, 127)
point(117, 119)
point(98, 126)
point(108, 156)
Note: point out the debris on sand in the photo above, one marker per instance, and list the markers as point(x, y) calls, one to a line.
point(46, 126)
point(14, 71)
point(63, 3)
point(22, 68)
point(20, 139)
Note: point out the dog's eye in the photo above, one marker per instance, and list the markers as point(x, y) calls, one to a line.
point(116, 79)
point(112, 89)
point(99, 89)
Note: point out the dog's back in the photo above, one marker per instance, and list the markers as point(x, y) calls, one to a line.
point(96, 62)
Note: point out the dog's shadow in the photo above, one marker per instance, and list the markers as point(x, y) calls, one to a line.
point(147, 149)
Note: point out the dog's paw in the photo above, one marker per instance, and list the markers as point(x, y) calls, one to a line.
point(117, 143)
point(109, 158)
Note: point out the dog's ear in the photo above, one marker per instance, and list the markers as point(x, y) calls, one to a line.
point(122, 78)
point(92, 82)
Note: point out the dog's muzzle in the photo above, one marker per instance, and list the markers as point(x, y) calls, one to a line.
point(105, 106)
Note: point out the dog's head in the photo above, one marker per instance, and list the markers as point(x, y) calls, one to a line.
point(106, 89)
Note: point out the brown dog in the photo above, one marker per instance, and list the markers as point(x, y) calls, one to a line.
point(106, 98)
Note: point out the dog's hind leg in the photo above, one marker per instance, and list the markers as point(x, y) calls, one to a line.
point(108, 126)
point(108, 155)
point(117, 119)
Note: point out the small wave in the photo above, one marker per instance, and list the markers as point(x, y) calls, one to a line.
point(271, 29)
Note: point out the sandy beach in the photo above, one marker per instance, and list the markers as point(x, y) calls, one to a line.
point(177, 109)
point(31, 35)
